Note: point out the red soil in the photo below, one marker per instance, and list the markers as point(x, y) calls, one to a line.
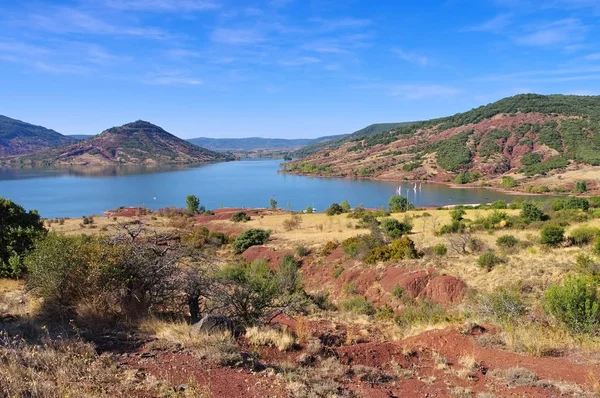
point(270, 254)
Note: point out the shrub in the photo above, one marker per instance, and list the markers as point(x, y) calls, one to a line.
point(302, 251)
point(193, 204)
point(454, 227)
point(351, 288)
point(283, 340)
point(329, 247)
point(334, 209)
point(294, 222)
point(571, 203)
point(345, 206)
point(580, 187)
point(86, 220)
point(552, 235)
point(309, 209)
point(251, 237)
point(403, 248)
point(503, 304)
point(499, 204)
point(19, 229)
point(289, 276)
point(583, 235)
point(240, 216)
point(457, 214)
point(398, 291)
point(398, 204)
point(575, 303)
point(507, 242)
point(509, 182)
point(422, 312)
point(394, 228)
point(597, 246)
point(358, 305)
point(440, 249)
point(530, 212)
point(337, 271)
point(488, 260)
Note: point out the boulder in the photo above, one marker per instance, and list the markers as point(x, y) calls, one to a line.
point(212, 323)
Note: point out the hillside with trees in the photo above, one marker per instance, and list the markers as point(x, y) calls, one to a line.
point(17, 137)
point(530, 138)
point(137, 143)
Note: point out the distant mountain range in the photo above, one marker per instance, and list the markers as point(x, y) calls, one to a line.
point(17, 137)
point(255, 143)
point(80, 137)
point(137, 143)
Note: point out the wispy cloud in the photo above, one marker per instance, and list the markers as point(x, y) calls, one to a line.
point(172, 78)
point(421, 91)
point(496, 24)
point(23, 49)
point(163, 5)
point(237, 36)
point(412, 57)
point(300, 61)
point(328, 25)
point(592, 57)
point(100, 56)
point(61, 68)
point(559, 32)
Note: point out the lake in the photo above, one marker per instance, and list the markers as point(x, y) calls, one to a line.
point(248, 183)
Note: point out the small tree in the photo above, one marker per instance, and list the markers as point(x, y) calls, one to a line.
point(394, 228)
point(251, 237)
point(309, 209)
point(273, 204)
point(530, 212)
point(398, 204)
point(552, 235)
point(458, 214)
point(19, 229)
point(193, 204)
point(345, 206)
point(575, 303)
point(580, 187)
point(509, 182)
point(334, 209)
point(240, 216)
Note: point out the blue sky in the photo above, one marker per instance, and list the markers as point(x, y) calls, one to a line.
point(285, 68)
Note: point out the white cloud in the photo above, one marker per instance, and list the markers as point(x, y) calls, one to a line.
point(162, 5)
point(592, 57)
point(237, 36)
point(301, 61)
point(495, 24)
point(412, 57)
point(172, 78)
point(559, 32)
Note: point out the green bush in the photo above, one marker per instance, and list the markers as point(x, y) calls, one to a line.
point(19, 229)
point(440, 249)
point(251, 237)
point(571, 203)
point(87, 220)
point(499, 204)
point(290, 280)
point(531, 158)
point(240, 216)
point(346, 206)
point(509, 182)
point(334, 209)
point(394, 228)
point(273, 204)
point(351, 288)
point(400, 249)
point(457, 214)
point(583, 235)
point(489, 260)
point(502, 304)
point(580, 187)
point(507, 242)
point(575, 303)
point(422, 312)
point(337, 271)
point(302, 251)
point(398, 204)
point(530, 212)
point(309, 210)
point(398, 291)
point(453, 228)
point(552, 235)
point(358, 305)
point(193, 204)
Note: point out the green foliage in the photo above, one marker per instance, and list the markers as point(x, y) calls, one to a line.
point(358, 305)
point(507, 242)
point(499, 204)
point(580, 187)
point(467, 177)
point(550, 136)
point(290, 280)
point(571, 203)
point(345, 206)
point(504, 305)
point(422, 312)
point(193, 204)
point(403, 248)
point(583, 235)
point(19, 229)
point(251, 237)
point(493, 220)
point(552, 235)
point(302, 251)
point(86, 220)
point(399, 204)
point(273, 204)
point(452, 228)
point(309, 209)
point(360, 246)
point(334, 209)
point(509, 182)
point(530, 212)
point(366, 171)
point(337, 271)
point(488, 260)
point(544, 167)
point(351, 288)
point(440, 249)
point(575, 303)
point(531, 158)
point(597, 246)
point(394, 228)
point(410, 166)
point(453, 153)
point(489, 145)
point(457, 214)
point(398, 291)
point(308, 168)
point(240, 216)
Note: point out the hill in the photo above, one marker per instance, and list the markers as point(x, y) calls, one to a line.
point(250, 144)
point(80, 137)
point(137, 143)
point(17, 137)
point(531, 137)
point(337, 140)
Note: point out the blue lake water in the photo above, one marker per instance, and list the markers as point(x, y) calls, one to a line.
point(252, 183)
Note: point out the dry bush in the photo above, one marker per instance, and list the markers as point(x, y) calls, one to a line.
point(294, 222)
point(324, 380)
point(302, 330)
point(515, 377)
point(219, 348)
point(440, 361)
point(469, 366)
point(63, 368)
point(265, 336)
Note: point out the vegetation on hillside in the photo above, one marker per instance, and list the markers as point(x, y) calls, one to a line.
point(17, 137)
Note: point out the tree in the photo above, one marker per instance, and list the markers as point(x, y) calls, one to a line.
point(193, 204)
point(394, 228)
point(19, 230)
point(309, 209)
point(251, 237)
point(509, 182)
point(457, 214)
point(552, 235)
point(530, 212)
point(273, 204)
point(399, 204)
point(580, 187)
point(334, 209)
point(346, 206)
point(575, 303)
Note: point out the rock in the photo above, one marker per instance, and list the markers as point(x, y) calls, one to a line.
point(445, 289)
point(212, 324)
point(181, 388)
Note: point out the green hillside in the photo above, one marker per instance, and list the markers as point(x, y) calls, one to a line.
point(17, 137)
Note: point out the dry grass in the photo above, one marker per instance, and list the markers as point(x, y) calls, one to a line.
point(65, 368)
point(468, 368)
point(219, 348)
point(264, 336)
point(440, 361)
point(326, 379)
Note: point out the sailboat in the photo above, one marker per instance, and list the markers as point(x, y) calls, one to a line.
point(420, 186)
point(399, 190)
point(415, 188)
